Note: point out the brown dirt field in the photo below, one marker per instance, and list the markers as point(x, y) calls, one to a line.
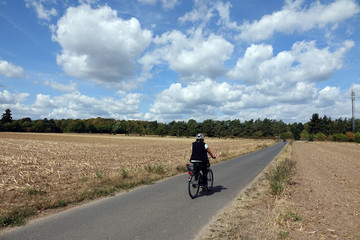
point(322, 202)
point(45, 171)
point(327, 191)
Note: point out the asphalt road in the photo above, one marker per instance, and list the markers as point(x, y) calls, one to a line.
point(160, 211)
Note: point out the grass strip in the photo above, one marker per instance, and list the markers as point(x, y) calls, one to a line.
point(17, 216)
point(280, 177)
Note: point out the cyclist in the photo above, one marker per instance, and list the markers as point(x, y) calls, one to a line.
point(199, 152)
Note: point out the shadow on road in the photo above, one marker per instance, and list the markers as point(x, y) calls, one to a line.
point(215, 189)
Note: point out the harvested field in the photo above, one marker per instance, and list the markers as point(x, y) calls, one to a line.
point(321, 202)
point(45, 171)
point(327, 191)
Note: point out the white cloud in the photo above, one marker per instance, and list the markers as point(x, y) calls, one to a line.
point(294, 17)
point(198, 100)
point(76, 105)
point(42, 12)
point(97, 45)
point(327, 97)
point(204, 10)
point(304, 62)
point(100, 46)
point(71, 87)
point(10, 70)
point(72, 105)
point(12, 98)
point(166, 4)
point(194, 57)
point(273, 97)
point(224, 13)
point(201, 12)
point(248, 68)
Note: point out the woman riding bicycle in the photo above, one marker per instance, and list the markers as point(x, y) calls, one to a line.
point(199, 152)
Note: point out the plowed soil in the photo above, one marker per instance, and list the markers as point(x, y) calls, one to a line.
point(327, 191)
point(321, 202)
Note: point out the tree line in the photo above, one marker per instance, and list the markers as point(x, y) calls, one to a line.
point(318, 128)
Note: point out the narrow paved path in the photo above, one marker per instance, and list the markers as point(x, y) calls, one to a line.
point(160, 211)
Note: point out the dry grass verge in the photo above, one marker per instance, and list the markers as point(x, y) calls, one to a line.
point(39, 172)
point(259, 212)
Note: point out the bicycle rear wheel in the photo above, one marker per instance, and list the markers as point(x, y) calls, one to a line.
point(210, 179)
point(193, 186)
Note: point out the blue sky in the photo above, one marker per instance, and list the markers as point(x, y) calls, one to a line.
point(171, 60)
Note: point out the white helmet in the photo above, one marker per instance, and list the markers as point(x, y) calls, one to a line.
point(199, 136)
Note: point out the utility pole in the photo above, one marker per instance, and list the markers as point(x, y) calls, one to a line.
point(353, 117)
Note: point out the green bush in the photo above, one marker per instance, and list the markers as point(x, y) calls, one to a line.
point(320, 137)
point(304, 135)
point(340, 137)
point(311, 137)
point(357, 137)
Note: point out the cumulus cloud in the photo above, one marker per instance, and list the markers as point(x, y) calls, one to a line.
point(304, 62)
point(327, 97)
point(210, 76)
point(10, 70)
point(71, 87)
point(99, 46)
point(194, 57)
point(199, 100)
point(7, 97)
point(287, 80)
point(206, 99)
point(77, 105)
point(295, 17)
point(72, 105)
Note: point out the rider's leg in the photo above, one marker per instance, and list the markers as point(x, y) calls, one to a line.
point(204, 171)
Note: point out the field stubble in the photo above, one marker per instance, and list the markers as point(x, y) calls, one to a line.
point(39, 172)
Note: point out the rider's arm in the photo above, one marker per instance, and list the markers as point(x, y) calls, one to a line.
point(208, 150)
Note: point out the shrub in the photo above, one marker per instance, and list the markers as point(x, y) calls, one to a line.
point(330, 138)
point(287, 135)
point(357, 137)
point(311, 137)
point(350, 136)
point(340, 137)
point(320, 137)
point(304, 135)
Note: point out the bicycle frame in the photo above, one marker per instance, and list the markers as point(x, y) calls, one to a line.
point(195, 175)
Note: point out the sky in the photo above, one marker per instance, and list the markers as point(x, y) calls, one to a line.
point(169, 60)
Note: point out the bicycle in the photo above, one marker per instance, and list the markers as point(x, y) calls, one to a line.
point(195, 176)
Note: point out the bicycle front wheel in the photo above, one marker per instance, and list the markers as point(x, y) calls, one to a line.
point(193, 186)
point(210, 179)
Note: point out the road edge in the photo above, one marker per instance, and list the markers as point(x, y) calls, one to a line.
point(205, 231)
